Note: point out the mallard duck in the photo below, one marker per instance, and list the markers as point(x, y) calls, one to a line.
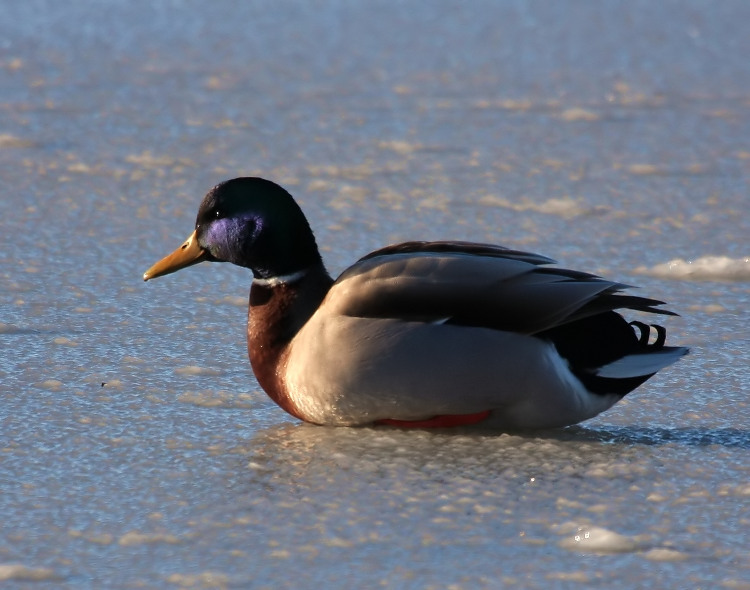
point(421, 334)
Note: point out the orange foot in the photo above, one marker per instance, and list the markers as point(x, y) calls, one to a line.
point(445, 421)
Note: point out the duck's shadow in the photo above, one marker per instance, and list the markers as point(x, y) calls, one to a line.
point(652, 436)
point(292, 434)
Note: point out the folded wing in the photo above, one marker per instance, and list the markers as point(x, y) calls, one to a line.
point(475, 285)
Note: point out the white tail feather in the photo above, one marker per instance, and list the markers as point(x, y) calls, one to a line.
point(640, 365)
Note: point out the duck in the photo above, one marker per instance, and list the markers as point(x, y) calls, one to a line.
point(422, 334)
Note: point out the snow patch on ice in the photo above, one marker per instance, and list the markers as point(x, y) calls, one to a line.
point(595, 539)
point(565, 207)
point(705, 268)
point(195, 370)
point(17, 571)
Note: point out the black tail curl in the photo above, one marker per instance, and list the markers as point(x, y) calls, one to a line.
point(645, 334)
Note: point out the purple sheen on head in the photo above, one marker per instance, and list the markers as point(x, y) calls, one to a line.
point(227, 238)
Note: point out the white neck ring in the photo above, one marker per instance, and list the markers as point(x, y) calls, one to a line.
point(281, 279)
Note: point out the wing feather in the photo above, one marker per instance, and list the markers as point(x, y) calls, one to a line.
point(477, 285)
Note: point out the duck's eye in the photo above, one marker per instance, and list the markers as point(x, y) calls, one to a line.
point(218, 213)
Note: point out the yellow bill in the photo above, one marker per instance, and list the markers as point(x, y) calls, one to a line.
point(188, 254)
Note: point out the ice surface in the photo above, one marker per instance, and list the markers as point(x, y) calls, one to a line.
point(137, 448)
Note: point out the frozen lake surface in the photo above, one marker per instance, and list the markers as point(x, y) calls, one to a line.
point(138, 450)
